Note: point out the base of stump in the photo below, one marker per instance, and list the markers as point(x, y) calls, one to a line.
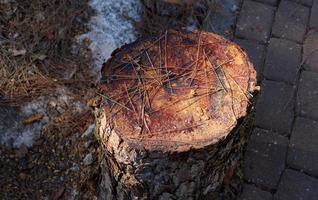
point(196, 174)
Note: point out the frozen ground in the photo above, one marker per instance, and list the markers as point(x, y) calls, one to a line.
point(112, 27)
point(12, 132)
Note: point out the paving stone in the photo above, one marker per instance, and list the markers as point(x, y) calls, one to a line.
point(310, 54)
point(271, 2)
point(282, 60)
point(313, 23)
point(303, 151)
point(304, 2)
point(251, 192)
point(265, 158)
point(307, 96)
point(297, 186)
point(274, 109)
point(291, 21)
point(223, 21)
point(255, 21)
point(256, 53)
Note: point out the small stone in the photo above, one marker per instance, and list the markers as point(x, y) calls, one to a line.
point(89, 131)
point(40, 16)
point(88, 160)
point(75, 167)
point(16, 52)
point(88, 144)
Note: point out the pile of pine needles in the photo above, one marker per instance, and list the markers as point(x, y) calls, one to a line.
point(36, 41)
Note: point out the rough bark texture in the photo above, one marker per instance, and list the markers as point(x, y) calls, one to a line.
point(169, 120)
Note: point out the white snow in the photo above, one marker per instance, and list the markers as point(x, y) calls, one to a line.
point(112, 27)
point(12, 132)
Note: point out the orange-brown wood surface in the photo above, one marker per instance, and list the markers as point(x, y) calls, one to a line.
point(176, 91)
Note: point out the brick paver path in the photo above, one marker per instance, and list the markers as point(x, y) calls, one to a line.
point(281, 38)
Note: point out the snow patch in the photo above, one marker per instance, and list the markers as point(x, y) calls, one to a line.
point(12, 133)
point(112, 27)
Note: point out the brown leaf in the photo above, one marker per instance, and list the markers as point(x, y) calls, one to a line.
point(32, 118)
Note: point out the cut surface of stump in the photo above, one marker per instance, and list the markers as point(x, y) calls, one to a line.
point(171, 105)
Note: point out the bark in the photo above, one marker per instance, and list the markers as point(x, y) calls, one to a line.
point(128, 173)
point(168, 120)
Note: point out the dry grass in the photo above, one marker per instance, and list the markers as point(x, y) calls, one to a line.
point(35, 54)
point(36, 59)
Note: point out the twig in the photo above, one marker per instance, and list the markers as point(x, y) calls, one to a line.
point(167, 61)
point(108, 98)
point(130, 101)
point(217, 75)
point(198, 55)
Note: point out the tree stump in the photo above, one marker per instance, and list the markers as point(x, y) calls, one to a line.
point(169, 115)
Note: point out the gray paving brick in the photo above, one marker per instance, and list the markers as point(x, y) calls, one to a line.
point(304, 2)
point(282, 60)
point(310, 55)
point(255, 21)
point(274, 109)
point(291, 21)
point(271, 2)
point(251, 192)
point(297, 186)
point(256, 53)
point(307, 96)
point(223, 21)
point(313, 23)
point(303, 151)
point(265, 158)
